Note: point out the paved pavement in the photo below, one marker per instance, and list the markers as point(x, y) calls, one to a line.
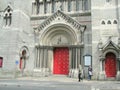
point(59, 78)
point(58, 81)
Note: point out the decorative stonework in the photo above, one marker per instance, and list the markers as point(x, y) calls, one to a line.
point(65, 17)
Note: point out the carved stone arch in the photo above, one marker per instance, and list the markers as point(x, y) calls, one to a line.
point(55, 31)
point(22, 50)
point(112, 51)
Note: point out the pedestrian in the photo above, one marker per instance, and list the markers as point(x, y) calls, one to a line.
point(90, 73)
point(79, 73)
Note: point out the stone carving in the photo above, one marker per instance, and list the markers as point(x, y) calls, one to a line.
point(68, 19)
point(59, 5)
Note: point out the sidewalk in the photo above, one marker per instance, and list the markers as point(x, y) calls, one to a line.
point(60, 78)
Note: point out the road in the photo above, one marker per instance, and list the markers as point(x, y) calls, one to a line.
point(58, 85)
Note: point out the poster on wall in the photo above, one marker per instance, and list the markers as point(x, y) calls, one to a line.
point(87, 60)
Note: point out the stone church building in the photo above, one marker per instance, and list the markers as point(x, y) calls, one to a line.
point(54, 37)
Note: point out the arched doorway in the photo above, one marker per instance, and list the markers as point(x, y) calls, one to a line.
point(61, 61)
point(110, 65)
point(22, 60)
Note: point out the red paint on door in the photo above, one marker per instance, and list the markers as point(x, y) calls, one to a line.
point(110, 65)
point(61, 61)
point(1, 61)
point(20, 65)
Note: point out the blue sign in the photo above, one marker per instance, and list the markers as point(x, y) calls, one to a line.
point(16, 62)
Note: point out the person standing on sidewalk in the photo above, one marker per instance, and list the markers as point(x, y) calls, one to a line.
point(79, 73)
point(90, 73)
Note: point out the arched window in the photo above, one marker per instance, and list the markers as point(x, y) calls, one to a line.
point(115, 22)
point(77, 5)
point(109, 22)
point(69, 5)
point(8, 16)
point(103, 22)
point(45, 6)
point(37, 6)
point(53, 6)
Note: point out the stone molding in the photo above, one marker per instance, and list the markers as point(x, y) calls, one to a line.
point(67, 18)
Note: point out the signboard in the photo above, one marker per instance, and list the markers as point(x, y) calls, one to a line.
point(16, 62)
point(87, 60)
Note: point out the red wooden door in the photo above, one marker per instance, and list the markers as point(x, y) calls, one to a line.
point(110, 65)
point(61, 61)
point(20, 65)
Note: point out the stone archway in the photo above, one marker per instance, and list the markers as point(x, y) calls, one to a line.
point(59, 34)
point(59, 30)
point(62, 37)
point(24, 55)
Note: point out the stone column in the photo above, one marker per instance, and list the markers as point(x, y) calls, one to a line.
point(48, 8)
point(70, 57)
point(36, 57)
point(42, 8)
point(74, 5)
point(76, 58)
point(35, 9)
point(50, 57)
point(73, 54)
point(45, 57)
point(101, 75)
point(38, 52)
point(32, 8)
point(118, 70)
point(66, 6)
point(79, 56)
point(41, 59)
point(80, 5)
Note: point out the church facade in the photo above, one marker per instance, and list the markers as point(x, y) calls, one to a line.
point(54, 37)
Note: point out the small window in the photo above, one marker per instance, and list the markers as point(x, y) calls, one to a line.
point(103, 22)
point(114, 22)
point(69, 5)
point(37, 3)
point(8, 16)
point(45, 6)
point(109, 22)
point(53, 6)
point(77, 5)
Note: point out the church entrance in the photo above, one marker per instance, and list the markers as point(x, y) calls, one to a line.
point(61, 61)
point(110, 65)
